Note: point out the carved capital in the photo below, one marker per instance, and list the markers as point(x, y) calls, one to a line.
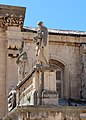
point(11, 20)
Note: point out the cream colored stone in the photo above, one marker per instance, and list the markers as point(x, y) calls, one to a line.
point(65, 52)
point(50, 81)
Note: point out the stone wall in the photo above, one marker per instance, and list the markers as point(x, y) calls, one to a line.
point(11, 22)
point(64, 50)
point(69, 56)
point(83, 70)
point(14, 38)
point(3, 57)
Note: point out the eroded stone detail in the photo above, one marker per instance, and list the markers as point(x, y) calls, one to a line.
point(11, 20)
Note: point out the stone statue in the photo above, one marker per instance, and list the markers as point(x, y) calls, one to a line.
point(22, 60)
point(41, 41)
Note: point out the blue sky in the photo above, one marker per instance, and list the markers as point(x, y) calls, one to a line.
point(57, 14)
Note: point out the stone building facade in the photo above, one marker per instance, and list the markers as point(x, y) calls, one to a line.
point(67, 53)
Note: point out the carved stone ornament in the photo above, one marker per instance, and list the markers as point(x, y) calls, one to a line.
point(11, 20)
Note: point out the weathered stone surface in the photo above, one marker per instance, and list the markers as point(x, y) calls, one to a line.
point(3, 55)
point(83, 70)
point(11, 16)
point(65, 51)
point(47, 113)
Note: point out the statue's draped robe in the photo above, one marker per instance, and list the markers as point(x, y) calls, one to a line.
point(43, 54)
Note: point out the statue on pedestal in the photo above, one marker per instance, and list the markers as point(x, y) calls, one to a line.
point(22, 60)
point(41, 41)
point(42, 55)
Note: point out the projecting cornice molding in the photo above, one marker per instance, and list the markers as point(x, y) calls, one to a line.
point(11, 20)
point(11, 16)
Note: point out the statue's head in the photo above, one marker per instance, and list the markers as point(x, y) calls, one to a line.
point(40, 24)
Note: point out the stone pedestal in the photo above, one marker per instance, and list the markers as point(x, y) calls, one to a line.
point(46, 92)
point(49, 97)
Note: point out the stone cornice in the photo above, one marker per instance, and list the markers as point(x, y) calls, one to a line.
point(11, 15)
point(11, 20)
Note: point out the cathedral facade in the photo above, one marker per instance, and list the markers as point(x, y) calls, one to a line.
point(64, 79)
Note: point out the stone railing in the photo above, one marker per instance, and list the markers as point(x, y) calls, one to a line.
point(48, 113)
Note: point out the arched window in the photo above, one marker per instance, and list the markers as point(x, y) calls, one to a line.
point(59, 81)
point(59, 76)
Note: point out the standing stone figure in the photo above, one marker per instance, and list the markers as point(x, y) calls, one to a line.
point(22, 60)
point(41, 41)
